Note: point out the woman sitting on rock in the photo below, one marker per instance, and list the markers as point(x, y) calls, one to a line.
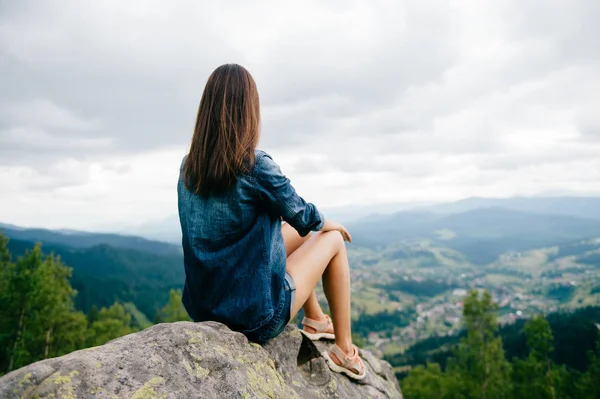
point(244, 267)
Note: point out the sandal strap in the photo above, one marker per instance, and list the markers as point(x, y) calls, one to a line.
point(319, 326)
point(340, 355)
point(352, 363)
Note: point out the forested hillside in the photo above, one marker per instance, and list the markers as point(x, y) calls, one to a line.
point(82, 239)
point(103, 274)
point(38, 318)
point(575, 333)
point(479, 365)
point(410, 288)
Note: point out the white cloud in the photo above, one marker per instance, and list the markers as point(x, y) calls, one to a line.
point(45, 114)
point(92, 194)
point(362, 103)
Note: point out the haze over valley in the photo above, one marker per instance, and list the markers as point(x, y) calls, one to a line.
point(410, 269)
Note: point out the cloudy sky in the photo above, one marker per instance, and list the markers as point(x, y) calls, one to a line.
point(363, 102)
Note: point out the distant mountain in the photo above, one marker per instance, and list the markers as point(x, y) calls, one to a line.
point(480, 234)
point(168, 229)
point(81, 239)
point(108, 267)
point(582, 207)
point(498, 223)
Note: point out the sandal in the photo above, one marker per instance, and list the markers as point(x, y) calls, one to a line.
point(352, 366)
point(319, 329)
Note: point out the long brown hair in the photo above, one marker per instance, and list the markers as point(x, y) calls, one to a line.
point(226, 131)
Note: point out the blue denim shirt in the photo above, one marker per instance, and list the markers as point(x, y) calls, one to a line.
point(234, 254)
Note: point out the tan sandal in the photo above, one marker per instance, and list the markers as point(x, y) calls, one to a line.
point(320, 329)
point(352, 366)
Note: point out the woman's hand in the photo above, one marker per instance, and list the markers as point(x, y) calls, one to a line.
point(330, 225)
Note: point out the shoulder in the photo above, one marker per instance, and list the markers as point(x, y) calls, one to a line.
point(264, 164)
point(262, 159)
point(260, 155)
point(183, 162)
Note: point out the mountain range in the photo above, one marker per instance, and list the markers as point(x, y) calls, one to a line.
point(109, 267)
point(480, 234)
point(167, 229)
point(581, 207)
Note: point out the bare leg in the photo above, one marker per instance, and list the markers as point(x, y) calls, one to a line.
point(312, 308)
point(293, 241)
point(324, 255)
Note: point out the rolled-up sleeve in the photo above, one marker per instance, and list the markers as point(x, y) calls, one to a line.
point(280, 197)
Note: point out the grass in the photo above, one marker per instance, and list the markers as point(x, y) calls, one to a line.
point(368, 299)
point(500, 279)
point(583, 297)
point(533, 262)
point(138, 317)
point(393, 348)
point(401, 369)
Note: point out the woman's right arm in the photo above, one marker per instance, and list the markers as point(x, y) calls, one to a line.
point(330, 225)
point(275, 190)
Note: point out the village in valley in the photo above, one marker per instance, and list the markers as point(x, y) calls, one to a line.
point(405, 299)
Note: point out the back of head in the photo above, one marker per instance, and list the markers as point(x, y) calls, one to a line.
point(226, 131)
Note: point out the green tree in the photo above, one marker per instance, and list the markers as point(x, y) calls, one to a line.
point(4, 253)
point(111, 323)
point(6, 271)
point(537, 376)
point(174, 310)
point(37, 312)
point(17, 307)
point(93, 315)
point(69, 334)
point(479, 369)
point(430, 382)
point(480, 364)
point(589, 385)
point(58, 325)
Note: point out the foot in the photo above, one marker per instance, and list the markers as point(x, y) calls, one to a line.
point(318, 329)
point(349, 364)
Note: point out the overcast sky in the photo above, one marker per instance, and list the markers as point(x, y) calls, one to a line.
point(363, 102)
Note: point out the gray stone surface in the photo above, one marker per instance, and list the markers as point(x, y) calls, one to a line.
point(197, 360)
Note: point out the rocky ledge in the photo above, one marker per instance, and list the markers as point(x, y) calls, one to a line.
point(197, 360)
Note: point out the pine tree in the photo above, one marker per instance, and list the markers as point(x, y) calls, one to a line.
point(480, 363)
point(430, 382)
point(6, 271)
point(173, 310)
point(93, 315)
point(37, 312)
point(538, 376)
point(54, 310)
point(589, 385)
point(21, 287)
point(112, 323)
point(4, 253)
point(424, 382)
point(479, 370)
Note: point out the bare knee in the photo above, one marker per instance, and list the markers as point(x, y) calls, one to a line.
point(336, 239)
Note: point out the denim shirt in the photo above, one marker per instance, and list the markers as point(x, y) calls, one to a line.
point(234, 254)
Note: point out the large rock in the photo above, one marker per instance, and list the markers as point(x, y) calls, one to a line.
point(197, 360)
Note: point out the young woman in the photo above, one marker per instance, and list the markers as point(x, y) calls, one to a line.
point(244, 268)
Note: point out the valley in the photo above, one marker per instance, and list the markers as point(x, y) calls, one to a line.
point(421, 287)
point(410, 270)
